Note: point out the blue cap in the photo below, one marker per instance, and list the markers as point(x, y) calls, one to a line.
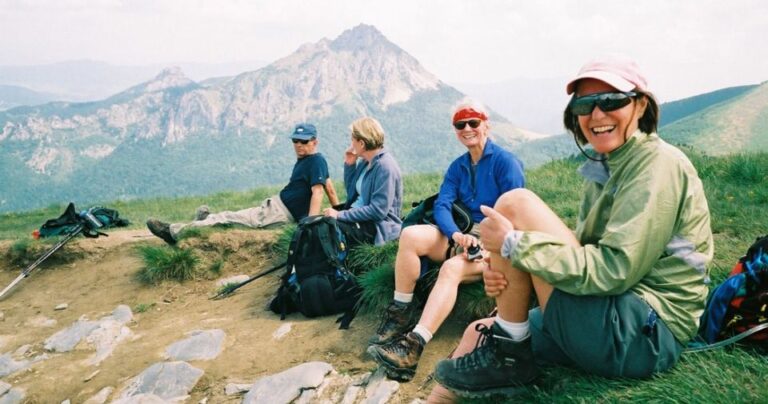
point(304, 131)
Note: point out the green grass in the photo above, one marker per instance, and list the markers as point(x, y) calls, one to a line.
point(737, 192)
point(163, 263)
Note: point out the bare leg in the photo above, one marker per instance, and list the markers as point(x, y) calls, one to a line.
point(443, 296)
point(526, 211)
point(417, 241)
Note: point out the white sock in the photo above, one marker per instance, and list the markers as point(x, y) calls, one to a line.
point(516, 331)
point(403, 297)
point(423, 332)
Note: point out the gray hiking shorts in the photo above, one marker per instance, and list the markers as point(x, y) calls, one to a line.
point(611, 336)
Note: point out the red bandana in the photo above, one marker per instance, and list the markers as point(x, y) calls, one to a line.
point(467, 113)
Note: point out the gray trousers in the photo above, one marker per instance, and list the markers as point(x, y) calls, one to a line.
point(272, 211)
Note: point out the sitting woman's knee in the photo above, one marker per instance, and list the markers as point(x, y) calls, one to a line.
point(453, 269)
point(515, 200)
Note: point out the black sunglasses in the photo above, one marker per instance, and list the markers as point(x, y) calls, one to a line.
point(301, 141)
point(473, 123)
point(607, 102)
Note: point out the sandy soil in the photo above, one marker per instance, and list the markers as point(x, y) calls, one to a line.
point(93, 276)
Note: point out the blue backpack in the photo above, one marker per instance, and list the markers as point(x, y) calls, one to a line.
point(90, 221)
point(738, 308)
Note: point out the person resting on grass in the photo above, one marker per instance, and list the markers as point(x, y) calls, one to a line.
point(302, 196)
point(477, 177)
point(374, 188)
point(622, 295)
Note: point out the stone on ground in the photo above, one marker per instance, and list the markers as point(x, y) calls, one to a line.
point(286, 386)
point(200, 345)
point(167, 380)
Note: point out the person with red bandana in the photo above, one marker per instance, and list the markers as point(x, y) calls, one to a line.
point(478, 177)
point(622, 294)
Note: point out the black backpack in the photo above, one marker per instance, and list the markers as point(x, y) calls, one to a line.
point(316, 281)
point(423, 212)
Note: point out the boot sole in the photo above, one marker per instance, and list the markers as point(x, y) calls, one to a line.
point(392, 372)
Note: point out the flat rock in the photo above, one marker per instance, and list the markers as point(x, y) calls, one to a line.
point(167, 380)
point(9, 365)
point(232, 279)
point(286, 386)
point(4, 387)
point(141, 399)
point(105, 338)
point(100, 397)
point(12, 396)
point(104, 334)
point(282, 331)
point(200, 345)
point(236, 388)
point(68, 338)
point(379, 390)
point(62, 306)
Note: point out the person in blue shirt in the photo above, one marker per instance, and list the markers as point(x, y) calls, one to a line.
point(374, 188)
point(302, 196)
point(478, 177)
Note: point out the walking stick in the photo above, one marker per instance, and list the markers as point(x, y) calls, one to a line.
point(25, 273)
point(227, 290)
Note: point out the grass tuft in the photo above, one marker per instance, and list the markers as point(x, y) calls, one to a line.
point(162, 263)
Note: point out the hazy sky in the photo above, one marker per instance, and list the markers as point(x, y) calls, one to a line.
point(685, 47)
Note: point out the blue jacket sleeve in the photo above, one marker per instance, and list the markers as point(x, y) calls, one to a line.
point(350, 177)
point(449, 192)
point(509, 174)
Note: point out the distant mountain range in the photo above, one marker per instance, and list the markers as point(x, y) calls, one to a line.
point(87, 80)
point(174, 136)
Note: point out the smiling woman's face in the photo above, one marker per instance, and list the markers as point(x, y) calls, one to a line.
point(472, 137)
point(607, 131)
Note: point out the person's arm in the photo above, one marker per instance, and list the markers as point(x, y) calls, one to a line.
point(330, 191)
point(449, 192)
point(641, 223)
point(384, 181)
point(316, 200)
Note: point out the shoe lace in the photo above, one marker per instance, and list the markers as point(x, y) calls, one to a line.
point(484, 352)
point(400, 347)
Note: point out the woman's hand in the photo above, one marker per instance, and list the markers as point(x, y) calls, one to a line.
point(350, 157)
point(464, 240)
point(331, 212)
point(494, 281)
point(493, 229)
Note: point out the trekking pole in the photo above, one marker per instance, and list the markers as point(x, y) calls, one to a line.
point(227, 290)
point(25, 273)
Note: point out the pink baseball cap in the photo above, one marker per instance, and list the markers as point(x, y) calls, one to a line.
point(617, 71)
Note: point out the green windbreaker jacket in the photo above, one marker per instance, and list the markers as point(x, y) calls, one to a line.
point(644, 227)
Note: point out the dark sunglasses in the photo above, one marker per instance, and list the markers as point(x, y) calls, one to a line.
point(473, 123)
point(607, 102)
point(301, 141)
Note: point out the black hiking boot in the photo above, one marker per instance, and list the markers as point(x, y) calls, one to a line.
point(202, 212)
point(399, 357)
point(398, 319)
point(498, 365)
point(162, 230)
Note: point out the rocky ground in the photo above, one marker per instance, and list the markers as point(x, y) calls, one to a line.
point(83, 328)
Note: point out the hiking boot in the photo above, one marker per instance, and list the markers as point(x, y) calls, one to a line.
point(202, 212)
point(397, 320)
point(399, 357)
point(162, 230)
point(498, 365)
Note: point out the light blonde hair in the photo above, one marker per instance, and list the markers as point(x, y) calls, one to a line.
point(369, 131)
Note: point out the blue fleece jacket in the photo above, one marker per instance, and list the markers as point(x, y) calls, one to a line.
point(498, 171)
point(381, 193)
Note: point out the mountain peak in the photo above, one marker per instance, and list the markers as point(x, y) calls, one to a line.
point(361, 37)
point(168, 78)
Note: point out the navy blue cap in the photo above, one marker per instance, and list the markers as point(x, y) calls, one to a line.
point(304, 131)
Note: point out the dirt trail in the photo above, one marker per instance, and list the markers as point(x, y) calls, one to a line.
point(105, 277)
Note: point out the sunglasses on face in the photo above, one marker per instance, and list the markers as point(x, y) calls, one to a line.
point(473, 123)
point(301, 141)
point(607, 102)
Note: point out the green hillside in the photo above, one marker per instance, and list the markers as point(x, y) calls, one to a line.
point(676, 110)
point(737, 191)
point(738, 125)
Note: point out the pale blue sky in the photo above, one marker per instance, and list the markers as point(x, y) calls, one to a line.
point(685, 47)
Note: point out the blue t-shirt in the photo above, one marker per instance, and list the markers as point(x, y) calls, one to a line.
point(308, 171)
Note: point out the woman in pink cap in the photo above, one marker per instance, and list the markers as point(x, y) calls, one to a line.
point(477, 177)
point(620, 296)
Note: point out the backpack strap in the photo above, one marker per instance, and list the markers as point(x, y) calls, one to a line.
point(701, 347)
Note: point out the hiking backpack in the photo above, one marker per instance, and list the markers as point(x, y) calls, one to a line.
point(91, 221)
point(738, 308)
point(423, 212)
point(316, 281)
